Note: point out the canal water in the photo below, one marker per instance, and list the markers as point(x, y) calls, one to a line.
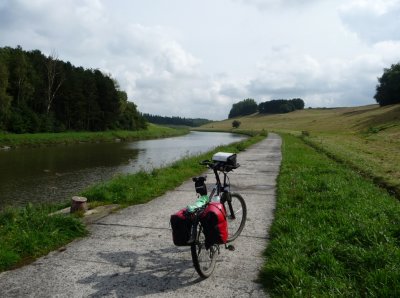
point(55, 173)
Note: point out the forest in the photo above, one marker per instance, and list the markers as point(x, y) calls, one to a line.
point(280, 106)
point(40, 93)
point(163, 120)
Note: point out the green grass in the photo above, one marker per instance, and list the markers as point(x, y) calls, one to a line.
point(335, 234)
point(141, 187)
point(366, 138)
point(29, 232)
point(43, 139)
point(372, 154)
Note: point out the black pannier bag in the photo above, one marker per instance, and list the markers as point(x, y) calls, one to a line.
point(181, 228)
point(200, 185)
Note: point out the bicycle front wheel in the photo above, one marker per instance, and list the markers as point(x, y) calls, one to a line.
point(204, 259)
point(236, 212)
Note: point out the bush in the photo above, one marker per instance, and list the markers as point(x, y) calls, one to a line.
point(236, 123)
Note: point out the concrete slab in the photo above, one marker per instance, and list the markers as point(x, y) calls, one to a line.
point(130, 253)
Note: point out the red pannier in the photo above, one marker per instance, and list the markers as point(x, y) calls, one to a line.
point(181, 228)
point(214, 223)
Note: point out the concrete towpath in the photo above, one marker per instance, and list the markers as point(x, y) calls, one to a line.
point(130, 253)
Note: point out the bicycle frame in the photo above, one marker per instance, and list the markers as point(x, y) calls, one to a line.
point(222, 189)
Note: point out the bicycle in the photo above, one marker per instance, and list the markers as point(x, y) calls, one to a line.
point(203, 256)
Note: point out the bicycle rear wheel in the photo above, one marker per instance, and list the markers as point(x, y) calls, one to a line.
point(203, 259)
point(236, 212)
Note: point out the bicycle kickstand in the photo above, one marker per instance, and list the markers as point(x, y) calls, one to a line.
point(229, 247)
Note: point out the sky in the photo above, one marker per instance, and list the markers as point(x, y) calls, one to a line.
point(195, 59)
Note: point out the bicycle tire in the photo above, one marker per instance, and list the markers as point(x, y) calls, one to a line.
point(204, 259)
point(235, 223)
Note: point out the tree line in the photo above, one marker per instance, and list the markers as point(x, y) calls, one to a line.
point(163, 120)
point(40, 93)
point(277, 106)
point(280, 106)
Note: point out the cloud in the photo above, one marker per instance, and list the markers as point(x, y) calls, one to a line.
point(373, 20)
point(268, 4)
point(202, 69)
point(322, 82)
point(159, 75)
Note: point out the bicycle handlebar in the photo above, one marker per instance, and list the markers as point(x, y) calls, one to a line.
point(205, 162)
point(217, 165)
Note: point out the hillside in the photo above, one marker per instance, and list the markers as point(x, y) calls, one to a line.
point(366, 137)
point(349, 120)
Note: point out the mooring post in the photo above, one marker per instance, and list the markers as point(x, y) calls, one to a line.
point(78, 204)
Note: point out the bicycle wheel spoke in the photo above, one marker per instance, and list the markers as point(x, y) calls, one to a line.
point(203, 259)
point(236, 216)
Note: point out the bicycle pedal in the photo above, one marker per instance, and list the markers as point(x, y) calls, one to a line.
point(230, 247)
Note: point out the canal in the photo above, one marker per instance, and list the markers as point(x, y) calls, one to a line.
point(55, 173)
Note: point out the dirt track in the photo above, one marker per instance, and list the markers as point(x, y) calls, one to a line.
point(130, 253)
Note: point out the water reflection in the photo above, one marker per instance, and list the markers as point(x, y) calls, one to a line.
point(57, 172)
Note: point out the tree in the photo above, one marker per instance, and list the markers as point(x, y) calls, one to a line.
point(5, 99)
point(298, 103)
point(388, 89)
point(236, 123)
point(20, 71)
point(54, 80)
point(243, 108)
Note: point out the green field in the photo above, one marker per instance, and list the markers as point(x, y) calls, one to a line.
point(366, 138)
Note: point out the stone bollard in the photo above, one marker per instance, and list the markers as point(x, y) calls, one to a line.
point(78, 204)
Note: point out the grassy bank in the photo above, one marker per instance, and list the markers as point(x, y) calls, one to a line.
point(366, 138)
point(142, 187)
point(27, 233)
point(373, 154)
point(335, 233)
point(43, 139)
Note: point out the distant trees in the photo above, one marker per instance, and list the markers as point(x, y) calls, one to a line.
point(164, 120)
point(242, 108)
point(44, 94)
point(278, 106)
point(388, 89)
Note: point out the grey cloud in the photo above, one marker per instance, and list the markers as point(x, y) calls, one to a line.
point(161, 76)
point(231, 90)
point(373, 26)
point(360, 93)
point(323, 83)
point(269, 4)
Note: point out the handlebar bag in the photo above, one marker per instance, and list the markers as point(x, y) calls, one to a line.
point(214, 223)
point(181, 228)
